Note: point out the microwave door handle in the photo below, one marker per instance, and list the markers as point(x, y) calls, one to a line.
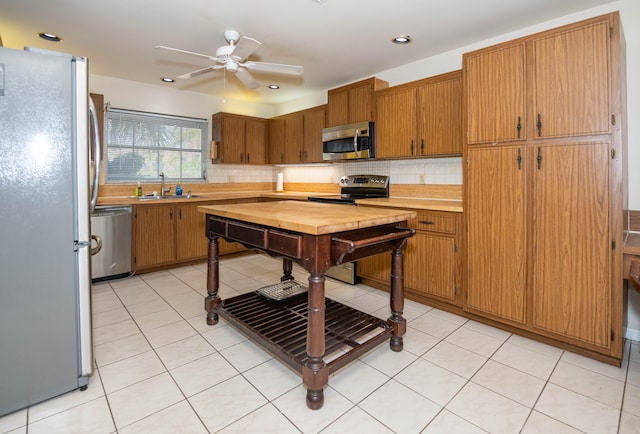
point(355, 143)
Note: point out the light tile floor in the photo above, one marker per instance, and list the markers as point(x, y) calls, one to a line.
point(161, 369)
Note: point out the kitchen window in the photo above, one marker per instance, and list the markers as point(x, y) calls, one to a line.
point(140, 145)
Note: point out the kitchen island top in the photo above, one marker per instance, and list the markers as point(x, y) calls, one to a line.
point(309, 217)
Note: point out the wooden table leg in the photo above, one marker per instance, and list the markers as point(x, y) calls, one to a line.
point(212, 300)
point(315, 373)
point(396, 320)
point(287, 268)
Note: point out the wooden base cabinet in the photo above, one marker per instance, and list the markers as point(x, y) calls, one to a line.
point(571, 294)
point(496, 219)
point(155, 236)
point(170, 234)
point(433, 260)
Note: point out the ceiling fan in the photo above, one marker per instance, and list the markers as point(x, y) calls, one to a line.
point(232, 58)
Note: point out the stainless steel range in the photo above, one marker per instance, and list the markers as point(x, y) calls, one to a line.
point(352, 188)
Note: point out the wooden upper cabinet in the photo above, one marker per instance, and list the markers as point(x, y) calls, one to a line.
point(314, 121)
point(571, 75)
point(241, 139)
point(353, 102)
point(396, 123)
point(276, 141)
point(421, 118)
point(440, 116)
point(495, 94)
point(297, 137)
point(552, 84)
point(293, 138)
point(255, 141)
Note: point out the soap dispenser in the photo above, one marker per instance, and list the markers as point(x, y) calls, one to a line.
point(179, 189)
point(139, 190)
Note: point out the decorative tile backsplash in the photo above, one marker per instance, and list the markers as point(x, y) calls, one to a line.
point(418, 171)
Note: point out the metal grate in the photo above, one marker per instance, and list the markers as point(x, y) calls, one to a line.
point(283, 290)
point(280, 327)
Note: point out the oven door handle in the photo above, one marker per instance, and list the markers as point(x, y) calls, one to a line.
point(355, 143)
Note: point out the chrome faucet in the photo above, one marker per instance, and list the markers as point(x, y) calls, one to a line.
point(163, 190)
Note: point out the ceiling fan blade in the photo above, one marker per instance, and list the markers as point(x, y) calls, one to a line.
point(276, 68)
point(198, 72)
point(187, 52)
point(247, 79)
point(244, 48)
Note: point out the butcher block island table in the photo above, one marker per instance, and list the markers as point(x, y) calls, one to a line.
point(313, 335)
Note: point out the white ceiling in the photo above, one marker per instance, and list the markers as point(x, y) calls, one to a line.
point(337, 42)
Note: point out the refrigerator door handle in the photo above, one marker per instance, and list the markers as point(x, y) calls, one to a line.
point(97, 150)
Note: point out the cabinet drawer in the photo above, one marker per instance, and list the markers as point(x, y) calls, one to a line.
point(284, 243)
point(435, 222)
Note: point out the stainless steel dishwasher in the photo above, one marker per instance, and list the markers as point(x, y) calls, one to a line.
point(111, 235)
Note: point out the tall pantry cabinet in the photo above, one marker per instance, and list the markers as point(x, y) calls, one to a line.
point(544, 184)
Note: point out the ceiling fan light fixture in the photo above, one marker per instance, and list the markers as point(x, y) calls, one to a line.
point(167, 80)
point(401, 39)
point(273, 87)
point(50, 37)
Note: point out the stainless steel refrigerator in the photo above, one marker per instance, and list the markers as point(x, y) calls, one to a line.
point(45, 277)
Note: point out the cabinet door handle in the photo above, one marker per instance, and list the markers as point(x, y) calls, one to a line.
point(411, 147)
point(180, 213)
point(539, 125)
point(519, 159)
point(422, 146)
point(539, 158)
point(248, 158)
point(519, 127)
point(171, 213)
point(426, 222)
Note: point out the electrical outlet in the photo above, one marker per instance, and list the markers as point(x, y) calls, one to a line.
point(422, 178)
point(231, 179)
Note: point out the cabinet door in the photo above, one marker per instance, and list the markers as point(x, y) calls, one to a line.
point(572, 245)
point(255, 141)
point(155, 235)
point(572, 82)
point(233, 138)
point(338, 113)
point(430, 266)
point(495, 95)
point(440, 118)
point(377, 268)
point(293, 137)
point(496, 211)
point(396, 123)
point(360, 104)
point(276, 141)
point(192, 242)
point(313, 125)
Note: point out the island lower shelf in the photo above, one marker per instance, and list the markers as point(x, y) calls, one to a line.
point(280, 327)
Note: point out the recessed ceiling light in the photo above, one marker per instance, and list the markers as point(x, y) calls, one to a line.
point(50, 37)
point(274, 86)
point(167, 80)
point(402, 39)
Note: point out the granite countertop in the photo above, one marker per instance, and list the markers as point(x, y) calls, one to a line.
point(308, 217)
point(453, 205)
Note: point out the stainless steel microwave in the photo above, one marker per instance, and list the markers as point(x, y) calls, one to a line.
point(348, 142)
